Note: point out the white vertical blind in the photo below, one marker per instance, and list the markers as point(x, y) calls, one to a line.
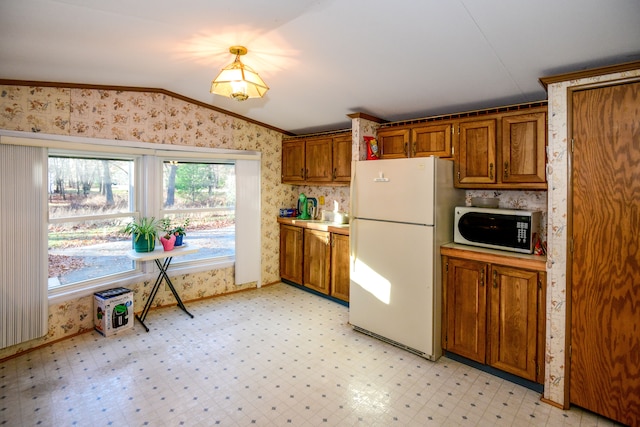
point(247, 267)
point(23, 250)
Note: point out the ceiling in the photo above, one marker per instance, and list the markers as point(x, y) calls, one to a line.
point(322, 59)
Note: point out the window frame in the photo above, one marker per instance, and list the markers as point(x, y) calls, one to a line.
point(143, 151)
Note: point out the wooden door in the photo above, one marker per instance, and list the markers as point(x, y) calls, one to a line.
point(513, 321)
point(317, 260)
point(318, 160)
point(523, 148)
point(393, 143)
point(431, 140)
point(291, 253)
point(605, 263)
point(340, 266)
point(293, 161)
point(476, 153)
point(466, 309)
point(342, 159)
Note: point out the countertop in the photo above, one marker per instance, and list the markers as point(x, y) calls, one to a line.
point(534, 262)
point(316, 225)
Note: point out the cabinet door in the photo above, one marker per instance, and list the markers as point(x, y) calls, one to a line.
point(342, 159)
point(393, 143)
point(317, 260)
point(431, 140)
point(318, 159)
point(466, 308)
point(340, 266)
point(513, 321)
point(523, 148)
point(293, 164)
point(291, 253)
point(476, 153)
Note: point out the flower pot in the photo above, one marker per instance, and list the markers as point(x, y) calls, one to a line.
point(141, 244)
point(179, 238)
point(169, 243)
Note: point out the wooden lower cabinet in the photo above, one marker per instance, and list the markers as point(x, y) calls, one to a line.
point(494, 315)
point(315, 259)
point(340, 280)
point(291, 253)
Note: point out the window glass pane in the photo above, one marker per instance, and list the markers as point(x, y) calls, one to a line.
point(85, 186)
point(198, 185)
point(205, 194)
point(80, 251)
point(213, 232)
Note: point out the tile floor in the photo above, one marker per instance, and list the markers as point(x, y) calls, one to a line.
point(275, 356)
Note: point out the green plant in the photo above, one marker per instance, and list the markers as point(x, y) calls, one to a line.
point(181, 229)
point(147, 227)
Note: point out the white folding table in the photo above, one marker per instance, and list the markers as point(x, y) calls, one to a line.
point(157, 255)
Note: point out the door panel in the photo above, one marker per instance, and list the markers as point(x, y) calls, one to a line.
point(605, 267)
point(467, 309)
point(392, 283)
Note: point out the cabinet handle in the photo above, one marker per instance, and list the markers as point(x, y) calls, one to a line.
point(335, 172)
point(482, 277)
point(413, 149)
point(491, 171)
point(506, 169)
point(406, 149)
point(495, 279)
point(302, 173)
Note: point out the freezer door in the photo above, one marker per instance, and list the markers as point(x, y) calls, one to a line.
point(399, 190)
point(392, 288)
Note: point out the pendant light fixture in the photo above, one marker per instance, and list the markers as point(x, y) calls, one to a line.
point(239, 81)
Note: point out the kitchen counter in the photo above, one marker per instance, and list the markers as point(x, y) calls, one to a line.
point(533, 262)
point(316, 225)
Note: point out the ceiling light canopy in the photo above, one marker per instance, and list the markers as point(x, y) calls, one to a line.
point(239, 81)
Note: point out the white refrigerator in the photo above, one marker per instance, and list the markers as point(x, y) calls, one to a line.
point(402, 211)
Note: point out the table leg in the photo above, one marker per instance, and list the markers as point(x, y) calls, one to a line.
point(147, 306)
point(163, 271)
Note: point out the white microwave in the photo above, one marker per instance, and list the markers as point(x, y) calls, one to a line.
point(505, 229)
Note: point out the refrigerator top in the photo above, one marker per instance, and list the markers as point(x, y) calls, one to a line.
point(398, 190)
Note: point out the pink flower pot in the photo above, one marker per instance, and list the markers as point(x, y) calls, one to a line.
point(168, 244)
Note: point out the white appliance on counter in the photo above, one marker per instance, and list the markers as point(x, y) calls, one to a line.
point(401, 212)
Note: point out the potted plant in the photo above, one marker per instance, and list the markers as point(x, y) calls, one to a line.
point(180, 232)
point(143, 233)
point(168, 240)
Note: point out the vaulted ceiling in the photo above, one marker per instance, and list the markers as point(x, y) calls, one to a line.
point(322, 59)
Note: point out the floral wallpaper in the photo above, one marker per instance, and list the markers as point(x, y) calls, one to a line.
point(156, 118)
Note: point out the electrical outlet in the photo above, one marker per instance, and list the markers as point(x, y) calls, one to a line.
point(321, 200)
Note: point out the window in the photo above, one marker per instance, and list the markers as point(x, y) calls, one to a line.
point(89, 201)
point(204, 194)
point(90, 189)
point(91, 198)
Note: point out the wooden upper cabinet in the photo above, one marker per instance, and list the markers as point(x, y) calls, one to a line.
point(342, 158)
point(431, 140)
point(393, 143)
point(523, 148)
point(476, 152)
point(319, 159)
point(293, 161)
point(506, 150)
point(416, 141)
